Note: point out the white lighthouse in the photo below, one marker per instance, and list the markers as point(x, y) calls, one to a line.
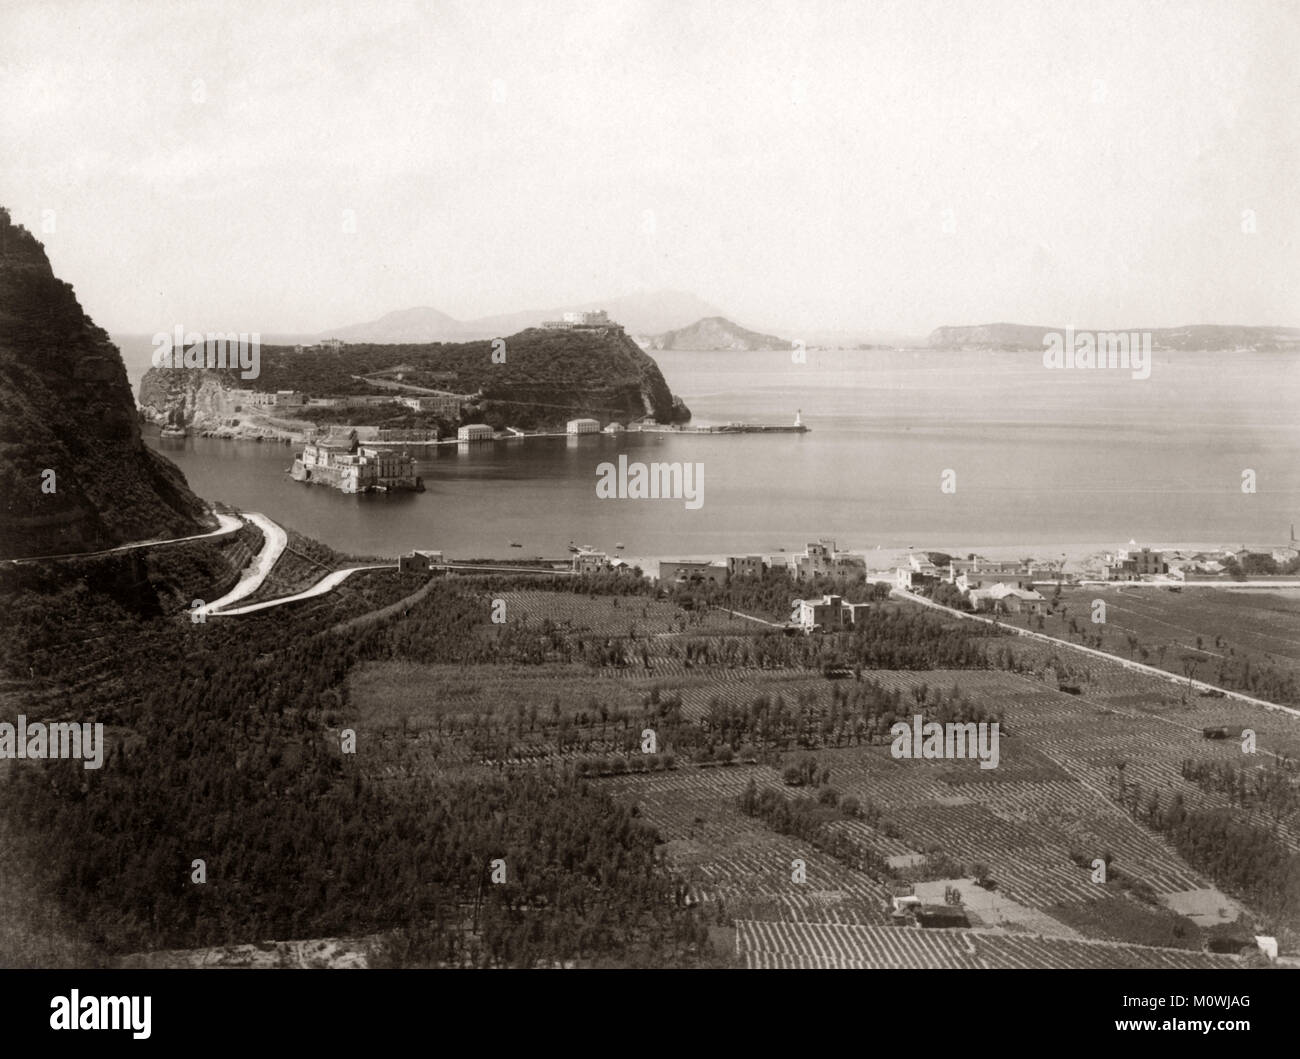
point(798, 417)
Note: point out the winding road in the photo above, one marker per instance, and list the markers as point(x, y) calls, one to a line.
point(229, 524)
point(274, 540)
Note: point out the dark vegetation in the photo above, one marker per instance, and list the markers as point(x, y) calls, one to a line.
point(547, 376)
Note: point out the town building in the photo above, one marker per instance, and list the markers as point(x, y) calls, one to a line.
point(419, 562)
point(1134, 563)
point(614, 428)
point(973, 580)
point(285, 400)
point(745, 566)
point(583, 426)
point(908, 579)
point(587, 561)
point(828, 614)
point(444, 405)
point(820, 558)
point(475, 432)
point(683, 571)
point(957, 567)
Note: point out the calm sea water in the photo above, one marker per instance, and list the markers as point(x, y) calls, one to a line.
point(1040, 457)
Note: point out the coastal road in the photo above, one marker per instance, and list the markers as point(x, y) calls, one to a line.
point(1227, 583)
point(1163, 674)
point(274, 540)
point(229, 524)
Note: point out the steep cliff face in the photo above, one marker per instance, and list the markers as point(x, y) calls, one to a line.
point(537, 379)
point(200, 399)
point(66, 408)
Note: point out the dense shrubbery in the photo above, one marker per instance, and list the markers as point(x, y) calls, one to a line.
point(220, 752)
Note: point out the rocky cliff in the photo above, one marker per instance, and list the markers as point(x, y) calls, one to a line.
point(67, 409)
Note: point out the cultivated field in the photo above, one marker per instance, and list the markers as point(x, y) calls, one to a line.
point(1030, 830)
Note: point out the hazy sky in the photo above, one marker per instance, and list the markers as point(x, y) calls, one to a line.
point(800, 164)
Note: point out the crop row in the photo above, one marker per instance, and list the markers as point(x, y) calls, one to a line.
point(822, 945)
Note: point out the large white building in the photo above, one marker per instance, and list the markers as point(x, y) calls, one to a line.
point(475, 432)
point(584, 426)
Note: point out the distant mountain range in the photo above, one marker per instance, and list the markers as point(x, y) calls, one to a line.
point(641, 313)
point(1193, 337)
point(715, 332)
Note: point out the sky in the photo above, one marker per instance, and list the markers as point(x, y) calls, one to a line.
point(861, 165)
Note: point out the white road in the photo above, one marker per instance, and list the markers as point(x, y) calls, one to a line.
point(325, 584)
point(274, 540)
point(229, 524)
point(1163, 674)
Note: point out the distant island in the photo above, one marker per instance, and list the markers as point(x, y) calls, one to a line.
point(715, 332)
point(1206, 337)
point(643, 312)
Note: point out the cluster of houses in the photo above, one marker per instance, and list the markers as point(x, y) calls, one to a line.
point(988, 585)
point(819, 558)
point(1136, 564)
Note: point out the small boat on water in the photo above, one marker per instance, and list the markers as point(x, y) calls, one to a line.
point(515, 544)
point(620, 546)
point(173, 432)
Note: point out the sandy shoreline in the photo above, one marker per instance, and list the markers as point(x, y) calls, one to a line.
point(888, 558)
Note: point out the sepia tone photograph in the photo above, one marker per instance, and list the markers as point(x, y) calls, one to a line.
point(650, 486)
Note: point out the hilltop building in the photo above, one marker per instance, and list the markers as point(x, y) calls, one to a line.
point(592, 320)
point(330, 345)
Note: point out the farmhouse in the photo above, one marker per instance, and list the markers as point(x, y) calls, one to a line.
point(828, 614)
point(419, 562)
point(1011, 599)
